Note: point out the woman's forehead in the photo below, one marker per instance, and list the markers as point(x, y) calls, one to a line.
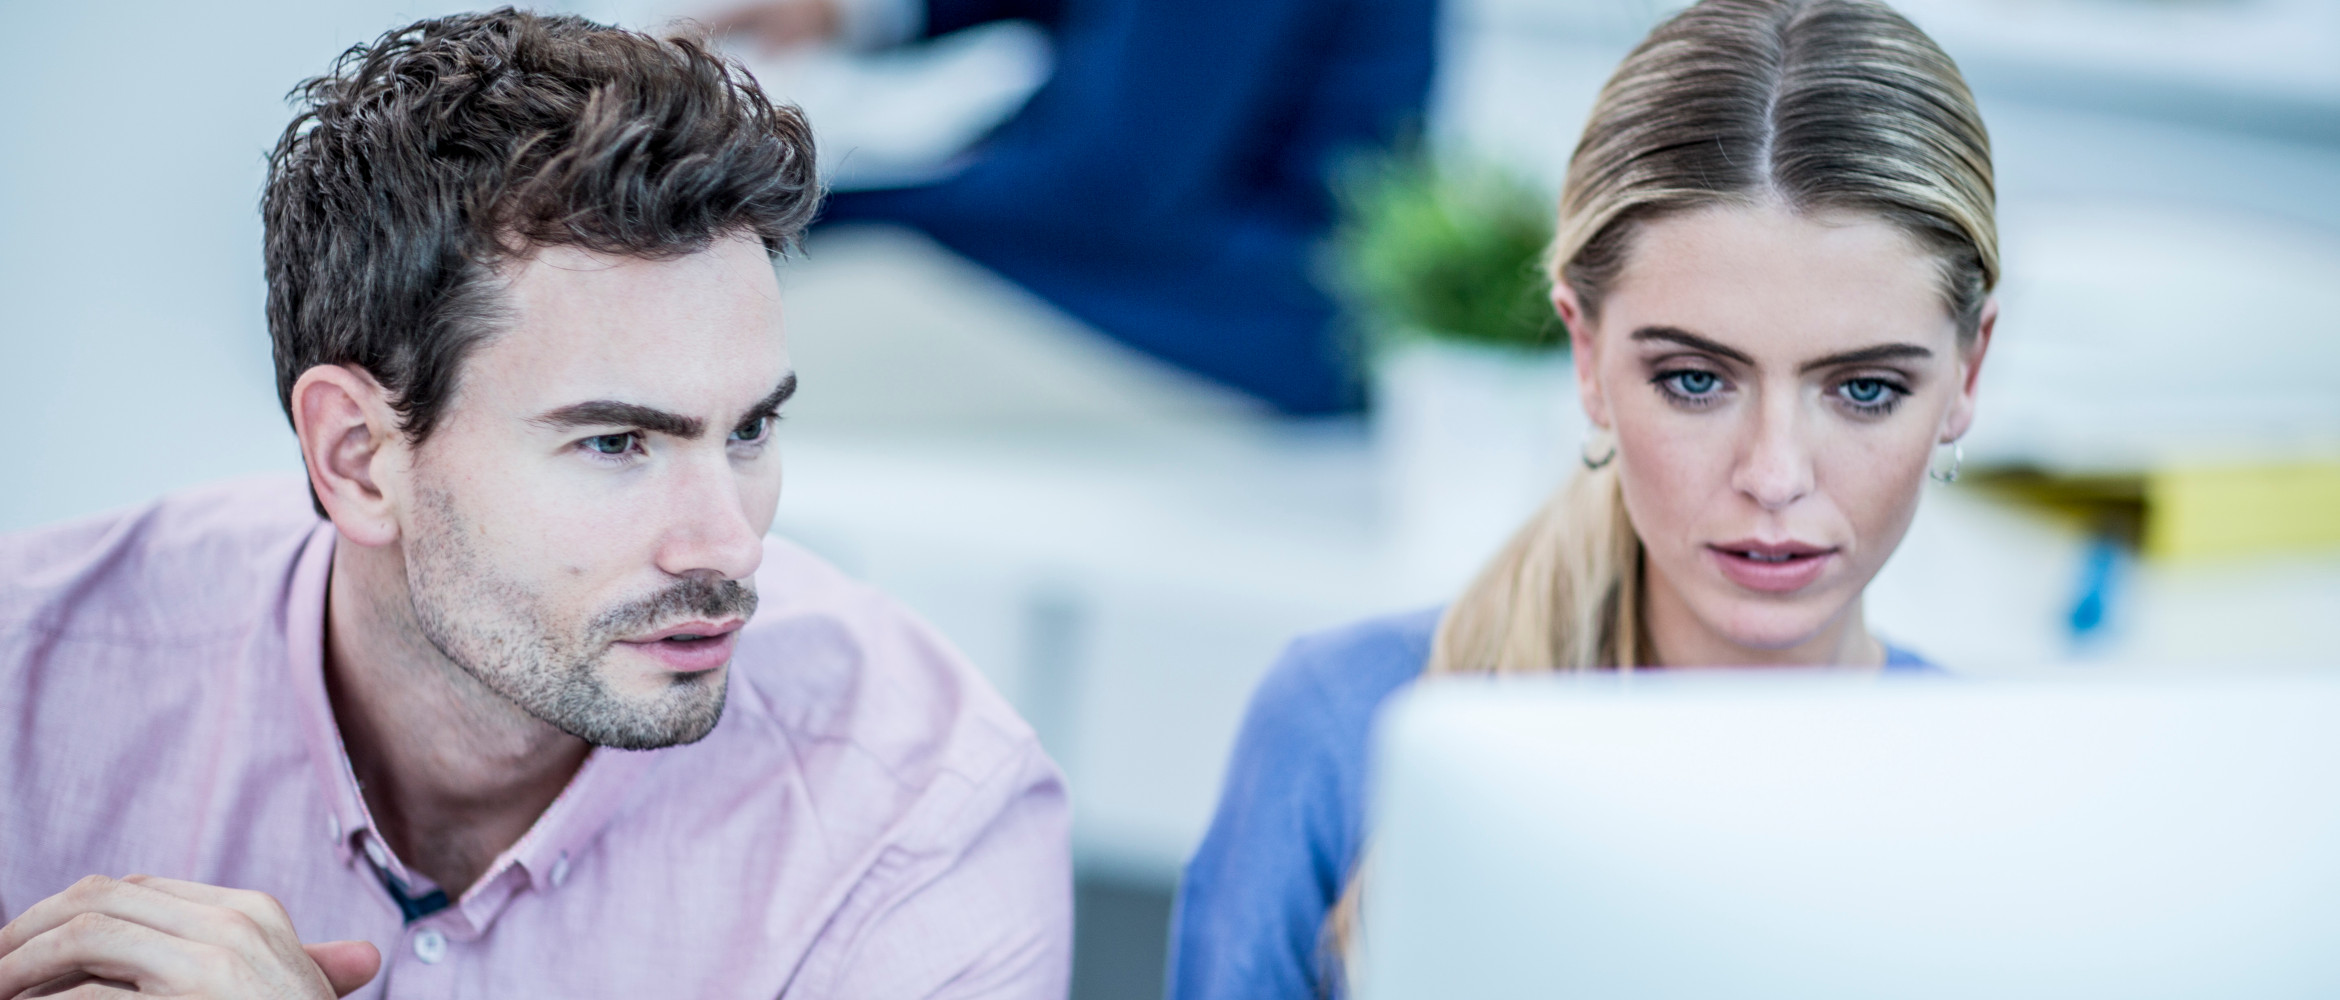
point(1777, 284)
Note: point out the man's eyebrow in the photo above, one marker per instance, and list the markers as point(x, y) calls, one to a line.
point(611, 413)
point(1677, 335)
point(1868, 355)
point(772, 402)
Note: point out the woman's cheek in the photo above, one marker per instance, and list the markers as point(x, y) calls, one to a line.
point(1665, 475)
point(1878, 481)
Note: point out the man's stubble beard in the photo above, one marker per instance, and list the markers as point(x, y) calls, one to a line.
point(497, 630)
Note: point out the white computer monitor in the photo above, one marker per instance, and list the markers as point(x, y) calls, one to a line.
point(1829, 837)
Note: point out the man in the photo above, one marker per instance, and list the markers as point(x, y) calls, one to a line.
point(1171, 184)
point(539, 711)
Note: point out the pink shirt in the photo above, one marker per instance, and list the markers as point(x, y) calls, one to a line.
point(869, 819)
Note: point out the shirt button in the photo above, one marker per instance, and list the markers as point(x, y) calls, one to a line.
point(430, 945)
point(374, 853)
point(560, 869)
point(333, 824)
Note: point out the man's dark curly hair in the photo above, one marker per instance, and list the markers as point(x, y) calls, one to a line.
point(452, 147)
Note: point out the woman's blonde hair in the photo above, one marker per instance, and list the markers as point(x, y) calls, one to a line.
point(1814, 105)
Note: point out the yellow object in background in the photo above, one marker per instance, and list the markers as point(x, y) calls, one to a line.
point(2215, 511)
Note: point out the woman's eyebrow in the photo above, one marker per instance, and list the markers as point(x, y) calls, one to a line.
point(1864, 355)
point(1677, 335)
point(1868, 355)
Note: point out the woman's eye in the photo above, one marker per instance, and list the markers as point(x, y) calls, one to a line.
point(1693, 383)
point(610, 444)
point(1870, 393)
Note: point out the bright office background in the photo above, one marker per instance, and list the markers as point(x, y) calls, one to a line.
point(1123, 548)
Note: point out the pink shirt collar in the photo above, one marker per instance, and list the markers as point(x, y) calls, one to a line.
point(540, 859)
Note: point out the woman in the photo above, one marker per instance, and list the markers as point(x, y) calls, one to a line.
point(1774, 256)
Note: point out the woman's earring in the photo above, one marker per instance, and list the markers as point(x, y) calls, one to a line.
point(1934, 469)
point(1598, 437)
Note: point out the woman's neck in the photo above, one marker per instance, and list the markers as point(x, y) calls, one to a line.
point(1681, 639)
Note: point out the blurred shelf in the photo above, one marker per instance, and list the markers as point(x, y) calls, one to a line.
point(1127, 587)
point(2265, 66)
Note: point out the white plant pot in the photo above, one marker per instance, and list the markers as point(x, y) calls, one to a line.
point(1472, 439)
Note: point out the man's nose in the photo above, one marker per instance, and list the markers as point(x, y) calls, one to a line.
point(709, 531)
point(1775, 467)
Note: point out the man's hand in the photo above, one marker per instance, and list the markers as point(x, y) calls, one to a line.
point(104, 936)
point(780, 24)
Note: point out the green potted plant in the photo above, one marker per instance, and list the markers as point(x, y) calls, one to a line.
point(1439, 260)
point(1447, 250)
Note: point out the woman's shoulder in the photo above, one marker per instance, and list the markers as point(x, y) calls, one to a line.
point(1297, 772)
point(1291, 813)
point(1898, 658)
point(1305, 736)
point(1345, 673)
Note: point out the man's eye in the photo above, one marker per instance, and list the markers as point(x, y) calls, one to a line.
point(753, 430)
point(610, 444)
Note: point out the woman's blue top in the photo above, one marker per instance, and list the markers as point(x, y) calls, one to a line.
point(1291, 817)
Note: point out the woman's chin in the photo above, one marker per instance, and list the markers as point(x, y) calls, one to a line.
point(1774, 627)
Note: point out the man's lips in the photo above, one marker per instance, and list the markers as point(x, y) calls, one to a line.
point(689, 647)
point(1773, 567)
point(697, 629)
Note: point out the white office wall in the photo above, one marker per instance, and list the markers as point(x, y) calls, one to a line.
point(133, 354)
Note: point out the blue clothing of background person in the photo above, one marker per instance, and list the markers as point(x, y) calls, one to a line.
point(1169, 184)
point(1291, 815)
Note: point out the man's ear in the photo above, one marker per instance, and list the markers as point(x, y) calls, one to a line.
point(1582, 346)
point(1961, 415)
point(348, 435)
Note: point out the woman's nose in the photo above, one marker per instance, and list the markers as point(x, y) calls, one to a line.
point(1775, 467)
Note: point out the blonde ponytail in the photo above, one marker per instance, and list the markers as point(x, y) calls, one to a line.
point(1563, 594)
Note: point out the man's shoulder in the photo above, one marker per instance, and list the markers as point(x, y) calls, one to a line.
point(855, 681)
point(196, 561)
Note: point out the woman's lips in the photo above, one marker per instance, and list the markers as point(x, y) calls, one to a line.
point(1772, 567)
point(687, 655)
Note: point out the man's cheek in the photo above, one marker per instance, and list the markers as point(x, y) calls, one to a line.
point(765, 507)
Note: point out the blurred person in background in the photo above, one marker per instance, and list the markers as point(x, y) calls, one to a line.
point(1169, 184)
point(1775, 255)
point(516, 698)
